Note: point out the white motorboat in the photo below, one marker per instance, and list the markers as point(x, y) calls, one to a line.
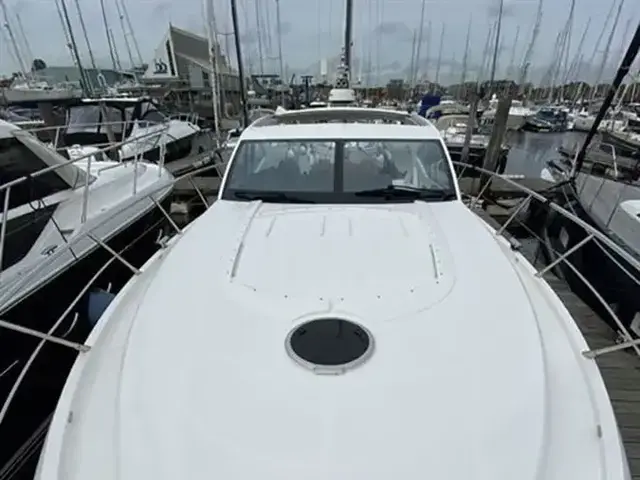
point(58, 221)
point(518, 114)
point(333, 324)
point(133, 119)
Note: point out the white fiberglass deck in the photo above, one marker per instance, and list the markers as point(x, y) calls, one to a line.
point(469, 378)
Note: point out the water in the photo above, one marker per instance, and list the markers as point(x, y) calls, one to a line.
point(530, 151)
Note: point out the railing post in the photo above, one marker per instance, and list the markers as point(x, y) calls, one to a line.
point(565, 255)
point(517, 210)
point(85, 193)
point(3, 227)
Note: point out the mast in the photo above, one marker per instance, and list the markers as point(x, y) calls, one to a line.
point(259, 37)
point(605, 54)
point(106, 31)
point(86, 36)
point(86, 85)
point(115, 50)
point(437, 79)
point(14, 44)
point(513, 53)
point(124, 32)
point(131, 31)
point(243, 92)
point(279, 27)
point(526, 60)
point(213, 78)
point(24, 38)
point(418, 43)
point(348, 34)
point(496, 45)
point(66, 33)
point(465, 58)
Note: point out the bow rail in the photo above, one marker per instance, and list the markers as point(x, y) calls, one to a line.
point(592, 234)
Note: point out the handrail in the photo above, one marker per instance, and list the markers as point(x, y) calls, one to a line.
point(87, 179)
point(592, 234)
point(51, 168)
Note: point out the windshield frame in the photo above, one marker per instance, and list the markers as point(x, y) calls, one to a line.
point(336, 196)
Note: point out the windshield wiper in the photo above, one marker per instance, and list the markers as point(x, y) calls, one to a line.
point(271, 197)
point(408, 192)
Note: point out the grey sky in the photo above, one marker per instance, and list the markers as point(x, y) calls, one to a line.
point(314, 28)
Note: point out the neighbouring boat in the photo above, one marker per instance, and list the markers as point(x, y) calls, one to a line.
point(336, 321)
point(627, 142)
point(518, 114)
point(135, 120)
point(454, 129)
point(548, 119)
point(57, 218)
point(612, 206)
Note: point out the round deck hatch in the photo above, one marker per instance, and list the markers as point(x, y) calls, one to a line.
point(330, 344)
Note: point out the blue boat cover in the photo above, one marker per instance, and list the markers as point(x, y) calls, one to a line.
point(427, 102)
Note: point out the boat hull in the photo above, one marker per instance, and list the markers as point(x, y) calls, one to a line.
point(623, 146)
point(39, 391)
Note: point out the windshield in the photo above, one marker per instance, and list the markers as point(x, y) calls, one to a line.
point(333, 171)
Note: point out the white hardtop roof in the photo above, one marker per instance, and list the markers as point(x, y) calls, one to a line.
point(359, 131)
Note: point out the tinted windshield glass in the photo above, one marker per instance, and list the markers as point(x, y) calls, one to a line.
point(338, 168)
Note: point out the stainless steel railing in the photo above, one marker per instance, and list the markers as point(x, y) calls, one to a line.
point(592, 234)
point(6, 187)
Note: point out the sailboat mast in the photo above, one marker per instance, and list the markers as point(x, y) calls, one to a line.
point(86, 85)
point(419, 44)
point(437, 79)
point(496, 45)
point(66, 32)
point(465, 58)
point(124, 32)
point(86, 36)
point(594, 90)
point(259, 37)
point(348, 34)
point(279, 27)
point(106, 31)
point(24, 38)
point(132, 33)
point(115, 50)
point(14, 44)
point(213, 78)
point(243, 89)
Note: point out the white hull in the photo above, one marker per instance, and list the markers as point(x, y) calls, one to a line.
point(18, 95)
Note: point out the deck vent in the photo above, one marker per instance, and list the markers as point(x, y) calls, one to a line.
point(329, 345)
